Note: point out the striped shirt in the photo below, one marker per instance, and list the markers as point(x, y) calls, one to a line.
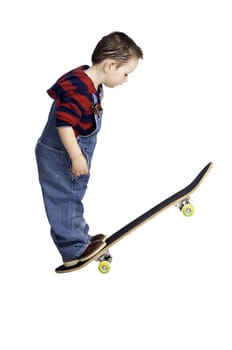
point(73, 95)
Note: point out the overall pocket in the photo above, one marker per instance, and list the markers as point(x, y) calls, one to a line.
point(49, 161)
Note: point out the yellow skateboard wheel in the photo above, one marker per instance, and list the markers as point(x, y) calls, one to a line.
point(104, 266)
point(187, 210)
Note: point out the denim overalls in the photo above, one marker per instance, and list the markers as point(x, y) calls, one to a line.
point(62, 191)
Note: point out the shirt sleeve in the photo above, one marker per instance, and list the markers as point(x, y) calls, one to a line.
point(75, 111)
point(68, 113)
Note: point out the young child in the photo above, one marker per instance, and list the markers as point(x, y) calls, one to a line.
point(65, 149)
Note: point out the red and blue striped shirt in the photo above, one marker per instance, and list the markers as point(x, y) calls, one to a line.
point(73, 95)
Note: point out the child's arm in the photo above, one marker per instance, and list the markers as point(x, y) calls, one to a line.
point(79, 162)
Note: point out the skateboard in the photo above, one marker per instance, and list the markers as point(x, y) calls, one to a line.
point(180, 199)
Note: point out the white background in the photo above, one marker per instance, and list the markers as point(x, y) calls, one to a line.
point(170, 282)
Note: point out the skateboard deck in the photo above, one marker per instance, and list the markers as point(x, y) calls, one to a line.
point(181, 199)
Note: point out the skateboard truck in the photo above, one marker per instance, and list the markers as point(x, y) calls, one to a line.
point(104, 261)
point(186, 207)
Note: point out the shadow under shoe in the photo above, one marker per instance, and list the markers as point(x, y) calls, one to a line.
point(93, 248)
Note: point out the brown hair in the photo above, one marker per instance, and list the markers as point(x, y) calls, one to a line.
point(117, 46)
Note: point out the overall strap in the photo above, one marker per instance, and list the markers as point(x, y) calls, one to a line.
point(95, 101)
point(95, 105)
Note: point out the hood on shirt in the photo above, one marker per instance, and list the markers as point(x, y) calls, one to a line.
point(68, 84)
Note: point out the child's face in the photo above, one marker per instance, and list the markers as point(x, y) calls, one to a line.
point(118, 75)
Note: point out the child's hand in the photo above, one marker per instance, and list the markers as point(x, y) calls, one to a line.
point(80, 166)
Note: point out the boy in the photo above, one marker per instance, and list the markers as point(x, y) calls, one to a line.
point(65, 148)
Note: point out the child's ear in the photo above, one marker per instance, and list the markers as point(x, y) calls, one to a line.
point(108, 65)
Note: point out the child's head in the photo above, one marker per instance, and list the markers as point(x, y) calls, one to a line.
point(118, 55)
point(117, 46)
